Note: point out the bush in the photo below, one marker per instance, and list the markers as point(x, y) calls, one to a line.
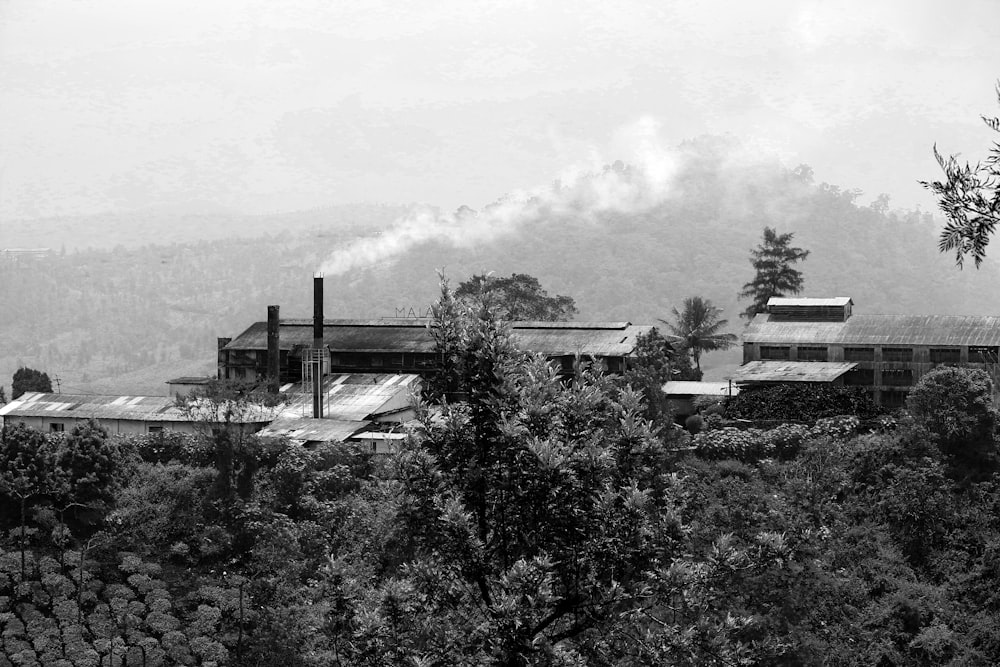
point(956, 405)
point(788, 402)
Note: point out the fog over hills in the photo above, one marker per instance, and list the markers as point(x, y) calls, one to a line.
point(627, 240)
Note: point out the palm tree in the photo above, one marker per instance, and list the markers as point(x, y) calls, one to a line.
point(697, 327)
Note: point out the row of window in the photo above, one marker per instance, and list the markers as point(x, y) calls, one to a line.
point(943, 355)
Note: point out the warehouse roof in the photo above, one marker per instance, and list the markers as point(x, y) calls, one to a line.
point(791, 371)
point(610, 339)
point(878, 330)
point(683, 388)
point(129, 408)
point(353, 396)
point(306, 429)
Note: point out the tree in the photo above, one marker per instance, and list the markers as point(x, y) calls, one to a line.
point(698, 327)
point(227, 413)
point(3, 396)
point(969, 196)
point(28, 379)
point(654, 363)
point(519, 297)
point(772, 260)
point(26, 465)
point(956, 405)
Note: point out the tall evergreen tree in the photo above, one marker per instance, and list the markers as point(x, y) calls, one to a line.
point(698, 328)
point(772, 261)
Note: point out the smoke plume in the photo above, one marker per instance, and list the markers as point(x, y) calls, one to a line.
point(583, 191)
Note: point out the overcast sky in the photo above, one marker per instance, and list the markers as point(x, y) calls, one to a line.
point(117, 105)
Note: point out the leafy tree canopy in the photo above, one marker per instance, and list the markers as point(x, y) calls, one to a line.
point(970, 198)
point(772, 261)
point(519, 297)
point(956, 405)
point(28, 379)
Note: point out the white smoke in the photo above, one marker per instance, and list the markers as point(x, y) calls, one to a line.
point(644, 179)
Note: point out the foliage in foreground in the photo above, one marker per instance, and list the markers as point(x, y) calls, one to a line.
point(535, 522)
point(801, 402)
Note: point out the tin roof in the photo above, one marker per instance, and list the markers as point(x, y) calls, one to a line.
point(809, 301)
point(353, 396)
point(86, 406)
point(879, 330)
point(306, 429)
point(609, 339)
point(791, 371)
point(682, 388)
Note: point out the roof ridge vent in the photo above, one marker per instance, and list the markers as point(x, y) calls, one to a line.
point(809, 309)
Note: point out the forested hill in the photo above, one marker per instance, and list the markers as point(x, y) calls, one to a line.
point(128, 318)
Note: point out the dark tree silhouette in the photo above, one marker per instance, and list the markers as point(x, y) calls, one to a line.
point(772, 260)
point(28, 379)
point(970, 198)
point(519, 297)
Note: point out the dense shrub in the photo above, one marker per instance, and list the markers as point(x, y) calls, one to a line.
point(783, 441)
point(169, 446)
point(803, 402)
point(956, 405)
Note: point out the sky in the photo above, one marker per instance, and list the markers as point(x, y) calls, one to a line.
point(256, 106)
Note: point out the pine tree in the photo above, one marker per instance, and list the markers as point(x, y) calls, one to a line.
point(772, 260)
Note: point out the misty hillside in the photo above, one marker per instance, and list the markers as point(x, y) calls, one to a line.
point(96, 315)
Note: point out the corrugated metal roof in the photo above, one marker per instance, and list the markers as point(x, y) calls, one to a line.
point(128, 408)
point(682, 388)
point(792, 371)
point(879, 330)
point(548, 338)
point(353, 396)
point(809, 301)
point(305, 429)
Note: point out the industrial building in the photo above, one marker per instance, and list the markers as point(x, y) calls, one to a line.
point(823, 340)
point(288, 348)
point(118, 414)
point(365, 407)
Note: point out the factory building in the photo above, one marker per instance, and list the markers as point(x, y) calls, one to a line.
point(822, 340)
point(288, 348)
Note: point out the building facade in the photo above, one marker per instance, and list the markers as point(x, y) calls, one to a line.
point(406, 346)
point(886, 354)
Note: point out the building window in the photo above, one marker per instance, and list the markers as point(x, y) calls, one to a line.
point(154, 429)
point(897, 377)
point(860, 377)
point(897, 354)
point(811, 353)
point(776, 353)
point(984, 354)
point(893, 399)
point(376, 362)
point(55, 427)
point(859, 354)
point(946, 355)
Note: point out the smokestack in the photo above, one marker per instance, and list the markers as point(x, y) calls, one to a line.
point(317, 311)
point(273, 350)
point(317, 354)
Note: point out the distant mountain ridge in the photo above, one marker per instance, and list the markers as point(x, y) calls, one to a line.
point(97, 314)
